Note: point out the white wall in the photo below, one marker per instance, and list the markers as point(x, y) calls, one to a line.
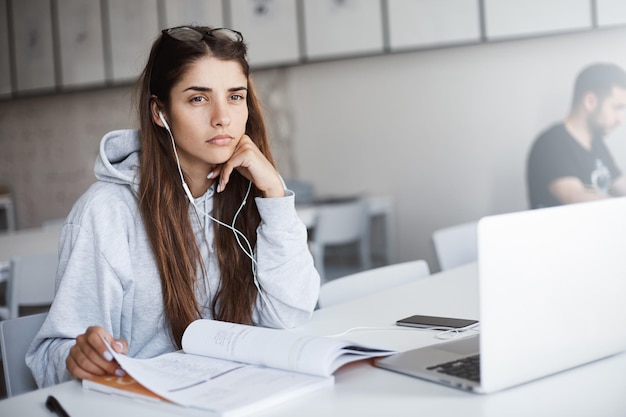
point(444, 132)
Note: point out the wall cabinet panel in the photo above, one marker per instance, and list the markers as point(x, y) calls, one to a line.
point(342, 28)
point(427, 23)
point(133, 26)
point(5, 52)
point(270, 28)
point(80, 43)
point(34, 53)
point(518, 18)
point(610, 12)
point(198, 12)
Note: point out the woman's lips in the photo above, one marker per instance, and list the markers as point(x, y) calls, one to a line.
point(220, 140)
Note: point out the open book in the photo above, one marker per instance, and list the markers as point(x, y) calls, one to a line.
point(234, 369)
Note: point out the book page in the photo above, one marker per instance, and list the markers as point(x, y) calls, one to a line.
point(274, 348)
point(248, 389)
point(230, 388)
point(174, 371)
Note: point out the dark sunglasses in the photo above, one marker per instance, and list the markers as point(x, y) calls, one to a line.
point(186, 33)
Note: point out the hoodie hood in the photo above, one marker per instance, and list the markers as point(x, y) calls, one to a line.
point(118, 160)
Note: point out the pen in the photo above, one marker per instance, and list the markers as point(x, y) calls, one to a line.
point(55, 406)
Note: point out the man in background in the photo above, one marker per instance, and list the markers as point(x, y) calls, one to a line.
point(569, 162)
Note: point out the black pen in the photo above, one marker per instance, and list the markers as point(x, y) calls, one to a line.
point(55, 406)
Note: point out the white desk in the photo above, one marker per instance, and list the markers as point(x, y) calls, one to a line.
point(596, 389)
point(29, 241)
point(26, 242)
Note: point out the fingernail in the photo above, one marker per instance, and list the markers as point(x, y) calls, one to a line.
point(120, 372)
point(107, 355)
point(219, 187)
point(120, 346)
point(208, 177)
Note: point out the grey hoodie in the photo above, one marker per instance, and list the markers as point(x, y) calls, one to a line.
point(107, 274)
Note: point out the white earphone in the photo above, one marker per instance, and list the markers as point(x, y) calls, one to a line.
point(163, 120)
point(185, 186)
point(249, 253)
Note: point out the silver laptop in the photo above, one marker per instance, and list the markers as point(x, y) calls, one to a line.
point(552, 284)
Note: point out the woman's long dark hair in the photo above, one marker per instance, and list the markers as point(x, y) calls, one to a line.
point(163, 203)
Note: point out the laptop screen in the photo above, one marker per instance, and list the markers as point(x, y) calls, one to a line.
point(552, 284)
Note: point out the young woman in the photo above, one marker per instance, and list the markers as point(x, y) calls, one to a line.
point(188, 219)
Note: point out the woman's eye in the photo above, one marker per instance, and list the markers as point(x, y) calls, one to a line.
point(237, 97)
point(197, 99)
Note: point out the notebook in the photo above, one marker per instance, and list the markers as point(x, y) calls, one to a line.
point(552, 284)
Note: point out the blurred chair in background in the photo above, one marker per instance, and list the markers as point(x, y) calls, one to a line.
point(15, 337)
point(304, 190)
point(7, 211)
point(371, 281)
point(30, 283)
point(342, 224)
point(456, 245)
point(58, 222)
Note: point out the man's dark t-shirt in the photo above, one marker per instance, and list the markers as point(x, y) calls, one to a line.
point(556, 154)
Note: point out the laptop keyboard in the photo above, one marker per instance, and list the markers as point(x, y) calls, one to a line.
point(467, 368)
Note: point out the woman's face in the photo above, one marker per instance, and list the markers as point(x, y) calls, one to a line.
point(208, 114)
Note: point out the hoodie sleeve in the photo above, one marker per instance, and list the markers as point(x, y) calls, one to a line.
point(85, 287)
point(287, 277)
point(107, 275)
point(95, 283)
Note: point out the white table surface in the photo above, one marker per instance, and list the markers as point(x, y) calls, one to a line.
point(597, 389)
point(28, 242)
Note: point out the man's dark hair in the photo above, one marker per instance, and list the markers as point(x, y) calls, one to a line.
point(600, 79)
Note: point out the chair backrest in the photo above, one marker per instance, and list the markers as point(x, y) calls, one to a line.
point(456, 245)
point(31, 281)
point(371, 281)
point(58, 222)
point(15, 337)
point(339, 224)
point(304, 190)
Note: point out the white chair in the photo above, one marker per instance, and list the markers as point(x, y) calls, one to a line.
point(340, 224)
point(6, 207)
point(30, 283)
point(371, 281)
point(456, 245)
point(304, 190)
point(50, 223)
point(15, 337)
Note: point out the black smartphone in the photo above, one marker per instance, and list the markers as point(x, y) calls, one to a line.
point(433, 322)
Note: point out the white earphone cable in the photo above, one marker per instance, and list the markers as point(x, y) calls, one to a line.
point(249, 252)
point(443, 334)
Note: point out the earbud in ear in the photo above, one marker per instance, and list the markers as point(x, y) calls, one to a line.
point(185, 186)
point(163, 120)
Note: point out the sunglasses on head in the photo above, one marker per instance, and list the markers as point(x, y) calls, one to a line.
point(187, 33)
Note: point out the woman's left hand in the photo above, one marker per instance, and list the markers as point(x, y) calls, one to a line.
point(252, 164)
